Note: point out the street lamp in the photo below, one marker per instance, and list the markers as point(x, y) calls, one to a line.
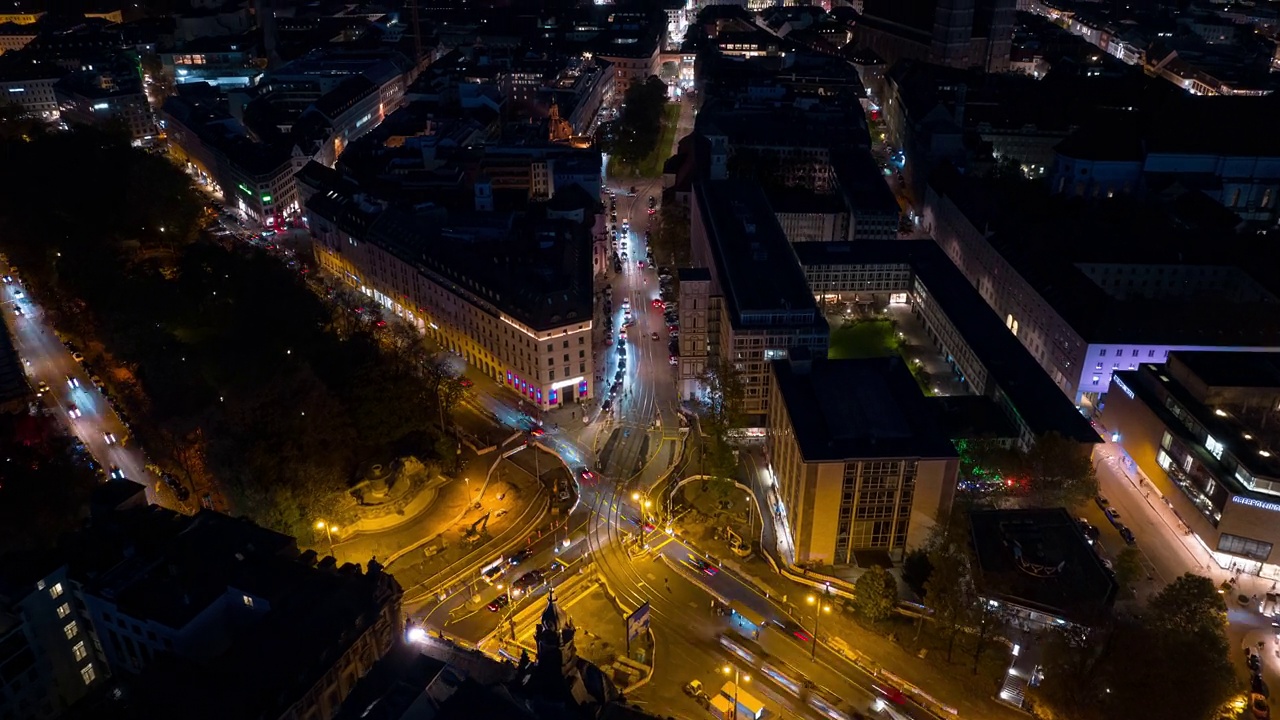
point(819, 607)
point(738, 679)
point(328, 531)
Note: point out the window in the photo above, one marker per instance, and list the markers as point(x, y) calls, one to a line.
point(1151, 353)
point(55, 592)
point(248, 601)
point(1102, 352)
point(582, 340)
point(71, 630)
point(1236, 545)
point(551, 361)
point(64, 610)
point(87, 673)
point(79, 652)
point(1135, 352)
point(1098, 366)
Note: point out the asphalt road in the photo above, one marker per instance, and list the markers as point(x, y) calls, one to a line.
point(47, 360)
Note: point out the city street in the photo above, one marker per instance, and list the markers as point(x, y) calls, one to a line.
point(48, 360)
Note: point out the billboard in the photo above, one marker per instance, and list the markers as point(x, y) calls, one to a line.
point(638, 622)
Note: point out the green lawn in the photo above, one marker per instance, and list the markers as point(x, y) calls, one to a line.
point(865, 339)
point(651, 167)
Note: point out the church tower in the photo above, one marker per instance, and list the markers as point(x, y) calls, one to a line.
point(557, 654)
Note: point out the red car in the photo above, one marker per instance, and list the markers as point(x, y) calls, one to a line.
point(537, 432)
point(464, 382)
point(890, 693)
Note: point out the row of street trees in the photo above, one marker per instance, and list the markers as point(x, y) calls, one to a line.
point(633, 136)
point(237, 375)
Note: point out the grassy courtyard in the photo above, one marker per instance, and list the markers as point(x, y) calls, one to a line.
point(863, 339)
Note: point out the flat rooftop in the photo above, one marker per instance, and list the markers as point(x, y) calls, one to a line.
point(1233, 369)
point(755, 264)
point(1040, 559)
point(1040, 403)
point(863, 408)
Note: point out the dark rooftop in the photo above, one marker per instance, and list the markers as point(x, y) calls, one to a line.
point(863, 408)
point(755, 265)
point(1040, 559)
point(1233, 369)
point(1034, 397)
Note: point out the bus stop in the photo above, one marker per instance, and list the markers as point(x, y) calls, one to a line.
point(746, 621)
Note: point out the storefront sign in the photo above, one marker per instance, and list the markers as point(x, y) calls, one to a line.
point(1262, 504)
point(1122, 386)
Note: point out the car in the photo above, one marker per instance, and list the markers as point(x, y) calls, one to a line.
point(42, 387)
point(673, 360)
point(622, 335)
point(19, 294)
point(889, 693)
point(705, 567)
point(77, 357)
point(109, 438)
point(674, 333)
point(673, 327)
point(618, 375)
point(73, 411)
point(73, 382)
point(381, 323)
point(794, 628)
point(8, 278)
point(466, 382)
point(96, 381)
point(1101, 502)
point(537, 432)
point(640, 264)
point(1112, 514)
point(17, 310)
point(499, 602)
point(585, 475)
point(1090, 531)
point(116, 473)
point(531, 579)
point(521, 555)
point(1127, 534)
point(1259, 707)
point(657, 303)
point(608, 403)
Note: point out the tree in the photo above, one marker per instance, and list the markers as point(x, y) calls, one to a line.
point(1173, 662)
point(948, 592)
point(1128, 568)
point(916, 569)
point(723, 395)
point(670, 240)
point(1057, 472)
point(636, 133)
point(875, 593)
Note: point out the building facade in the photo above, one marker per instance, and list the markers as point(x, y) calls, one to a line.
point(858, 462)
point(1197, 427)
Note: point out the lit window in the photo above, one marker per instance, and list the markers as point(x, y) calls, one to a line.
point(71, 630)
point(87, 673)
point(64, 610)
point(248, 601)
point(56, 591)
point(79, 652)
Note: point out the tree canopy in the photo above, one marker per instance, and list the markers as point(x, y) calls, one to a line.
point(635, 134)
point(875, 593)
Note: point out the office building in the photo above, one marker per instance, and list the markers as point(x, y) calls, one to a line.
point(758, 303)
point(859, 462)
point(1200, 428)
point(1147, 283)
point(956, 33)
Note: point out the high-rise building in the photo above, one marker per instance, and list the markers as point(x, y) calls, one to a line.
point(955, 33)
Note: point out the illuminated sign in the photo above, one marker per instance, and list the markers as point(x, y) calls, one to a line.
point(1261, 504)
point(266, 198)
point(100, 106)
point(1124, 388)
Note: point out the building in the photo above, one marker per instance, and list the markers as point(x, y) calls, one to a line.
point(511, 295)
point(1086, 310)
point(956, 33)
point(860, 463)
point(224, 61)
point(806, 216)
point(15, 37)
point(255, 179)
point(1037, 568)
point(632, 46)
point(106, 97)
point(759, 303)
point(1200, 429)
point(1149, 148)
point(30, 85)
point(158, 607)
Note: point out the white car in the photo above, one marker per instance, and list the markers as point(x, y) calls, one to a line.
point(19, 294)
point(73, 411)
point(110, 438)
point(73, 382)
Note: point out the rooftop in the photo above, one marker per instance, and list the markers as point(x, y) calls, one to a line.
point(755, 265)
point(864, 408)
point(1040, 559)
point(1035, 398)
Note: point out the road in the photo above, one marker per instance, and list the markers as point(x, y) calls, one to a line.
point(48, 360)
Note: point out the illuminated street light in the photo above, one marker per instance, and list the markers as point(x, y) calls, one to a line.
point(819, 607)
point(328, 531)
point(738, 679)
